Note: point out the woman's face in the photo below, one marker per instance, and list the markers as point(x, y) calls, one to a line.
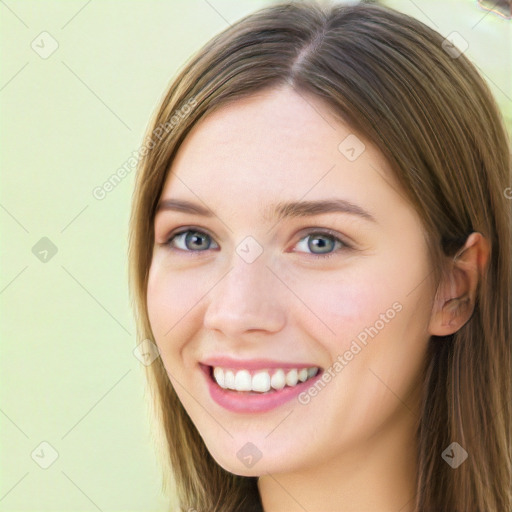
point(344, 289)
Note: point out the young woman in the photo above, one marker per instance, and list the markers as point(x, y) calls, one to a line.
point(320, 249)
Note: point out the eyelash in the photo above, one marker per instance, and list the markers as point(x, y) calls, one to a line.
point(325, 232)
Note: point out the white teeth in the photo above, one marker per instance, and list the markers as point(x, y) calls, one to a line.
point(261, 381)
point(229, 379)
point(218, 373)
point(291, 378)
point(277, 381)
point(303, 374)
point(243, 380)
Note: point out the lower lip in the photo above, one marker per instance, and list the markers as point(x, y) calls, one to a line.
point(246, 402)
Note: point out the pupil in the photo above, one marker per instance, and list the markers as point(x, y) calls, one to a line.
point(195, 237)
point(320, 242)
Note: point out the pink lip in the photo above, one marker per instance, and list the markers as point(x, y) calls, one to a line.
point(249, 402)
point(252, 364)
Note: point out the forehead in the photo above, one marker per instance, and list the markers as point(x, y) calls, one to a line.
point(272, 146)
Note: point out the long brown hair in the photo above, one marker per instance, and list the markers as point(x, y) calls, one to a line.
point(431, 114)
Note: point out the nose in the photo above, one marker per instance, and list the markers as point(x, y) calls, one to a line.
point(247, 299)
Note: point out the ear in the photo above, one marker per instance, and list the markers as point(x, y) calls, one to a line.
point(456, 295)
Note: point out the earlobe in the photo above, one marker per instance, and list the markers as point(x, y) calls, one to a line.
point(456, 295)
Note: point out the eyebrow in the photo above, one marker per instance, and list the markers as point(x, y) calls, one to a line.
point(278, 211)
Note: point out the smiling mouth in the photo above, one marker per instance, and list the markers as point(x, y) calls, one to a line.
point(258, 382)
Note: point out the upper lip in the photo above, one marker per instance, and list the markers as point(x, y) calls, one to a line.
point(253, 364)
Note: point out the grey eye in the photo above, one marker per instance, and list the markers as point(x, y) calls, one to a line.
point(191, 240)
point(319, 243)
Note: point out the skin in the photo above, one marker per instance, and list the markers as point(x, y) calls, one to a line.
point(351, 447)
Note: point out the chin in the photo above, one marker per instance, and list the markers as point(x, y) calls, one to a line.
point(248, 460)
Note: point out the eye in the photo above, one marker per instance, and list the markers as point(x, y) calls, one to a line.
point(324, 242)
point(190, 240)
point(321, 244)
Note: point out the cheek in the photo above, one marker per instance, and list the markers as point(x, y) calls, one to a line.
point(338, 305)
point(377, 300)
point(172, 298)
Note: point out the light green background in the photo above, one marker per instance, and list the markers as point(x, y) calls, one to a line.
point(68, 374)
